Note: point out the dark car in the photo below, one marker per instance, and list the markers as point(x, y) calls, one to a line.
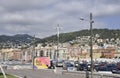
point(96, 66)
point(106, 67)
point(68, 66)
point(116, 71)
point(89, 67)
point(76, 63)
point(82, 67)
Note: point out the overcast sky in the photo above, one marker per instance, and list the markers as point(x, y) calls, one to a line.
point(40, 17)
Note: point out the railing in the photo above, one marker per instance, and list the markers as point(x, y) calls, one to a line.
point(83, 74)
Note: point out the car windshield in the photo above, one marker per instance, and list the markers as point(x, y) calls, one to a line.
point(60, 61)
point(69, 65)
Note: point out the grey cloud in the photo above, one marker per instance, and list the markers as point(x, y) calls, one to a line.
point(16, 5)
point(110, 11)
point(40, 17)
point(26, 18)
point(106, 8)
point(110, 1)
point(73, 7)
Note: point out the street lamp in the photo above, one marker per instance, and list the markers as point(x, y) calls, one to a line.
point(91, 43)
point(58, 29)
point(33, 51)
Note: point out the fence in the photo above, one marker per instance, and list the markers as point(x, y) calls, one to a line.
point(83, 74)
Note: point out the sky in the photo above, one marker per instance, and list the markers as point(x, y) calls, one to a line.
point(41, 17)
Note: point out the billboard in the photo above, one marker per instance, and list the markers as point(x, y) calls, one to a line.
point(41, 62)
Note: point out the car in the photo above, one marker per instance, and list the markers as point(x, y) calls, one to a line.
point(69, 66)
point(59, 63)
point(115, 71)
point(96, 66)
point(76, 63)
point(89, 67)
point(107, 67)
point(82, 67)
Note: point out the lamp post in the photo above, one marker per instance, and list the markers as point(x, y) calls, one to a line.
point(91, 45)
point(58, 29)
point(91, 42)
point(33, 51)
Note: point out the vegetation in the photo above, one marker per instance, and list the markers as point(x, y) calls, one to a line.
point(15, 41)
point(65, 37)
point(25, 40)
point(8, 76)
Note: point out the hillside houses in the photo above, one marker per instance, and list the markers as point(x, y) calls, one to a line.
point(102, 48)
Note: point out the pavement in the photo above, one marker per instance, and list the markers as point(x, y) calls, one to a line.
point(56, 73)
point(41, 74)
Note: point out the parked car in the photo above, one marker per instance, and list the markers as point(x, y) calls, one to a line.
point(88, 66)
point(76, 63)
point(59, 63)
point(68, 66)
point(115, 71)
point(96, 66)
point(82, 67)
point(107, 67)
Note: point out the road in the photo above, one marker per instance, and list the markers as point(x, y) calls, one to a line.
point(43, 73)
point(49, 73)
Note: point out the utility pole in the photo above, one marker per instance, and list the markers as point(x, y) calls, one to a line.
point(91, 44)
point(33, 51)
point(58, 32)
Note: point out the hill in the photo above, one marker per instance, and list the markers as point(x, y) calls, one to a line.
point(16, 40)
point(27, 40)
point(103, 33)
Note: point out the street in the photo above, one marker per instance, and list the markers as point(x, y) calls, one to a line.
point(50, 73)
point(43, 73)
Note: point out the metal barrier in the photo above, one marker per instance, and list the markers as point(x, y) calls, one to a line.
point(83, 74)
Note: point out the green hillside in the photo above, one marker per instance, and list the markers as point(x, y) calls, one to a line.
point(65, 37)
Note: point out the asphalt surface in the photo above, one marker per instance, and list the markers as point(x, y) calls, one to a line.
point(59, 73)
point(42, 73)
